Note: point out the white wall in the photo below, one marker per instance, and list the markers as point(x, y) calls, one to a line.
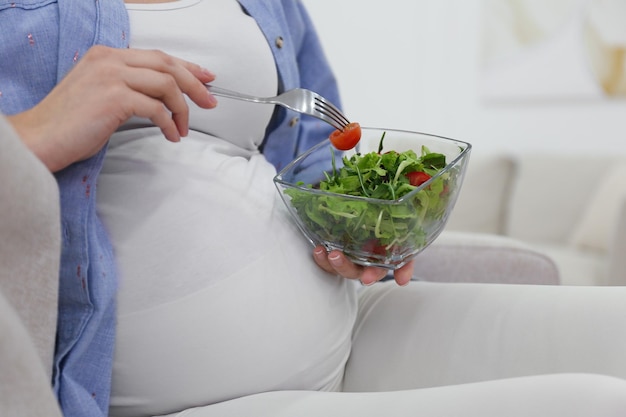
point(414, 64)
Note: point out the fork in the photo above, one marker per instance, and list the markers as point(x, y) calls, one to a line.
point(299, 99)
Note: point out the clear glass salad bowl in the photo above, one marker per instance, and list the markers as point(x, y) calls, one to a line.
point(386, 224)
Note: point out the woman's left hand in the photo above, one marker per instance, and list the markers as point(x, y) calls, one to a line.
point(335, 262)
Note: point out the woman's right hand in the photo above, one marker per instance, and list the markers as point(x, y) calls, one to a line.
point(105, 88)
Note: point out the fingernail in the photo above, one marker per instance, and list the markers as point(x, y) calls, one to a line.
point(335, 260)
point(208, 73)
point(319, 251)
point(212, 100)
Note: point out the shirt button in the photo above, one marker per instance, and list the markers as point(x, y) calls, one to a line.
point(279, 42)
point(294, 121)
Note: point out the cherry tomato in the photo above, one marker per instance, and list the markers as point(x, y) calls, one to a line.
point(373, 246)
point(347, 138)
point(417, 178)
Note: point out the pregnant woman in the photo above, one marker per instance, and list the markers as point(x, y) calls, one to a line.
point(219, 298)
point(221, 311)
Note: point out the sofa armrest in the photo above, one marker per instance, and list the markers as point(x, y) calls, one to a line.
point(30, 247)
point(616, 274)
point(25, 388)
point(487, 258)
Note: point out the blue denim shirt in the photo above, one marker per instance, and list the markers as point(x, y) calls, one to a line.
point(40, 41)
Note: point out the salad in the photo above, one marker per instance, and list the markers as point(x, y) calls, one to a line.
point(379, 203)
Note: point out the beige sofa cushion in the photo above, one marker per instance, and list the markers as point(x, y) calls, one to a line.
point(30, 244)
point(550, 194)
point(596, 228)
point(482, 203)
point(616, 274)
point(576, 266)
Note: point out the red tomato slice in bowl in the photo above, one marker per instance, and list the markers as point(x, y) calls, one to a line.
point(347, 138)
point(417, 178)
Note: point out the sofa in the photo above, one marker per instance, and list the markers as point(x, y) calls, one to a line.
point(570, 208)
point(29, 264)
point(564, 214)
point(30, 248)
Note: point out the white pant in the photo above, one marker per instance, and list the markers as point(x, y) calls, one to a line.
point(471, 350)
point(566, 395)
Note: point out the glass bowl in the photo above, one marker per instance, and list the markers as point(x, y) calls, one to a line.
point(374, 231)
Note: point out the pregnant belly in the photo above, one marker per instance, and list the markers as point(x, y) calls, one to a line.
point(218, 294)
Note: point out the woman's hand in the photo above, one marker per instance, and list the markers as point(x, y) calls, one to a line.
point(336, 262)
point(105, 88)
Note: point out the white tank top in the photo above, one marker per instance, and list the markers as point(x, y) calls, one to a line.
point(219, 296)
point(217, 35)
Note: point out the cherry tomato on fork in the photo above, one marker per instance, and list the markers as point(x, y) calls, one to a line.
point(347, 138)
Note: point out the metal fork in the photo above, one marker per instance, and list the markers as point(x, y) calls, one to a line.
point(299, 99)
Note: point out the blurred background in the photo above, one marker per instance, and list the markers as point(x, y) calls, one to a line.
point(504, 75)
